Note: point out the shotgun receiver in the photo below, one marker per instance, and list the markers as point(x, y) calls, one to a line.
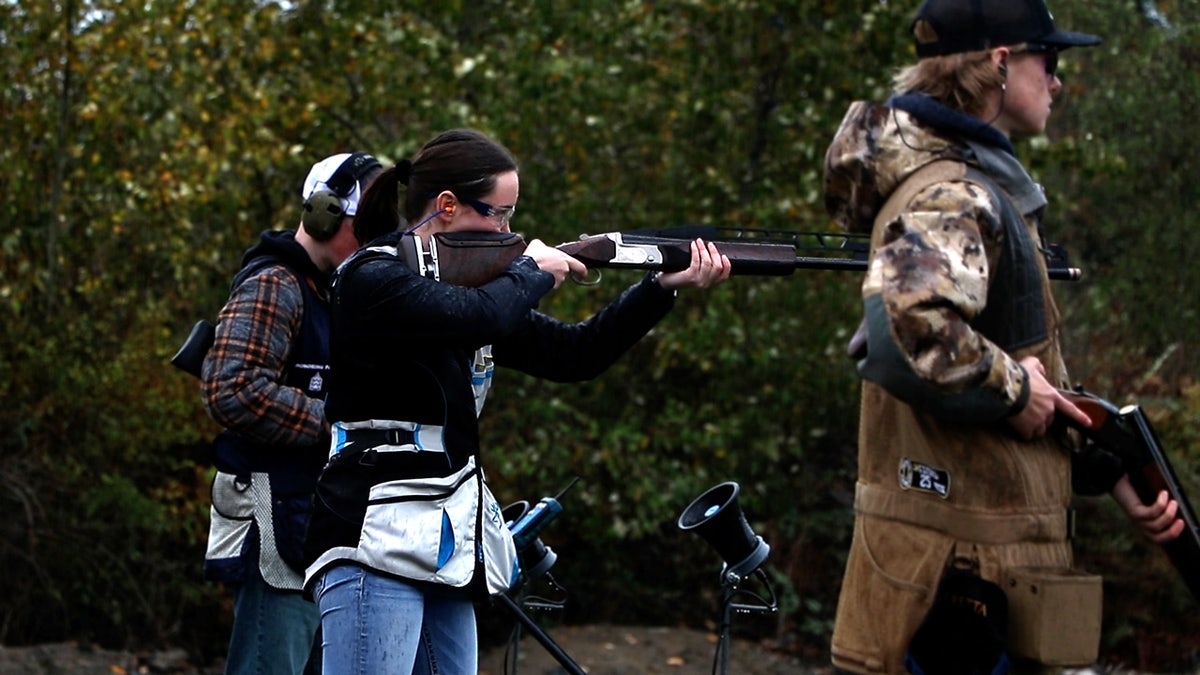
point(1126, 433)
point(472, 259)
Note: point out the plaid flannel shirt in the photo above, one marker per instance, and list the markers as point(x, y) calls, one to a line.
point(243, 383)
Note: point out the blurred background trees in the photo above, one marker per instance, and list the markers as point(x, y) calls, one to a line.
point(148, 143)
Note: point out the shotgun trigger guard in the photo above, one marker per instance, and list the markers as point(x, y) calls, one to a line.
point(588, 280)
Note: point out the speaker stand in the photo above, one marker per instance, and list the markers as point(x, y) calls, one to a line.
point(538, 634)
point(731, 587)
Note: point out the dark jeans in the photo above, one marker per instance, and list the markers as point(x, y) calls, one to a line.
point(273, 631)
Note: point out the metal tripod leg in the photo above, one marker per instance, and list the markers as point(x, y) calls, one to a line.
point(540, 635)
point(731, 589)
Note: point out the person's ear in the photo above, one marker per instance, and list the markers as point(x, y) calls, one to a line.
point(1000, 58)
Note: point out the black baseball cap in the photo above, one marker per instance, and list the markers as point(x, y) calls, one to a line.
point(954, 26)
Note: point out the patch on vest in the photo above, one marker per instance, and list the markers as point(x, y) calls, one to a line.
point(918, 476)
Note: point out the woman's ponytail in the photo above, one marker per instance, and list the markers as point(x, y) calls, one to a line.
point(379, 209)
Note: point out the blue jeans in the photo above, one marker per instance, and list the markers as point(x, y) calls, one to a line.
point(374, 624)
point(273, 631)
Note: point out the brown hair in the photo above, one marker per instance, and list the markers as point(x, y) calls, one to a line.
point(958, 81)
point(463, 161)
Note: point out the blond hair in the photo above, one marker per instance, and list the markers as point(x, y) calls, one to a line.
point(959, 81)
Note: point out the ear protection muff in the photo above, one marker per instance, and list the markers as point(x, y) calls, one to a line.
point(325, 208)
point(323, 213)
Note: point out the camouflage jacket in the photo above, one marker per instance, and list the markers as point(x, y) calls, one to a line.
point(936, 264)
point(956, 293)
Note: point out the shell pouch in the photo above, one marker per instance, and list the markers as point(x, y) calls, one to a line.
point(1054, 615)
point(428, 529)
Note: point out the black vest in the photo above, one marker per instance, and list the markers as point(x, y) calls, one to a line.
point(1015, 315)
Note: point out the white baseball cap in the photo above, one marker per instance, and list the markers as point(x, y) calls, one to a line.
point(343, 175)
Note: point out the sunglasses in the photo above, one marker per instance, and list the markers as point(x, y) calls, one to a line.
point(1049, 56)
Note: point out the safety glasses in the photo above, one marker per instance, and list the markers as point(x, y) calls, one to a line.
point(500, 214)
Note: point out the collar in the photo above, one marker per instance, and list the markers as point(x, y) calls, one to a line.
point(988, 148)
point(282, 245)
point(945, 119)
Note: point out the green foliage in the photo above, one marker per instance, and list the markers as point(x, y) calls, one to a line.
point(149, 143)
point(1122, 162)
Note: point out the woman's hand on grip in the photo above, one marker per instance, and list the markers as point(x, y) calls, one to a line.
point(554, 261)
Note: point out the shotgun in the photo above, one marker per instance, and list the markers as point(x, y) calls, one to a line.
point(1126, 433)
point(473, 258)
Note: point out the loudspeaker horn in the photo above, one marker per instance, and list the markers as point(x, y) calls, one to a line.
point(716, 517)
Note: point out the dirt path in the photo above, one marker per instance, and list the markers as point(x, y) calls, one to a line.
point(599, 650)
point(625, 650)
